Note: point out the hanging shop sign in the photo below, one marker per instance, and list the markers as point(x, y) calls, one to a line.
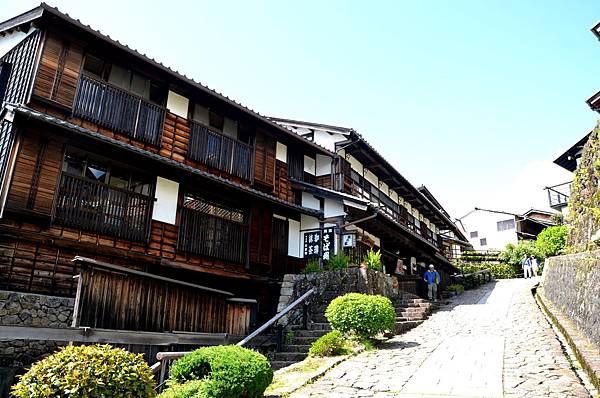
point(327, 243)
point(348, 240)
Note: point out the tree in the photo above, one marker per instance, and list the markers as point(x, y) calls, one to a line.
point(552, 240)
point(513, 254)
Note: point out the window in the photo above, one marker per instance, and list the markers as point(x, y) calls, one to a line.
point(474, 234)
point(483, 242)
point(506, 225)
point(94, 66)
point(213, 230)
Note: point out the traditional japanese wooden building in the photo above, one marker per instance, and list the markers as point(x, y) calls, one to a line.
point(110, 156)
point(407, 223)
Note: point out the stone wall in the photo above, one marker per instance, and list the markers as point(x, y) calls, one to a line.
point(331, 284)
point(24, 309)
point(572, 284)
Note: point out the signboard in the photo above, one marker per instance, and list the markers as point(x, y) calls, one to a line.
point(348, 240)
point(312, 244)
point(327, 243)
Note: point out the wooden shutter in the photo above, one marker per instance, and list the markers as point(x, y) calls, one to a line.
point(260, 235)
point(264, 161)
point(59, 70)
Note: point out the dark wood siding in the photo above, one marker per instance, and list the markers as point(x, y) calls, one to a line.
point(58, 71)
point(260, 235)
point(283, 188)
point(264, 161)
point(22, 59)
point(35, 174)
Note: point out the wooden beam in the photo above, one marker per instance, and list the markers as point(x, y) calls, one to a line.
point(118, 268)
point(92, 336)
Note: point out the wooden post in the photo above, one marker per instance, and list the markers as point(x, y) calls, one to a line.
point(76, 309)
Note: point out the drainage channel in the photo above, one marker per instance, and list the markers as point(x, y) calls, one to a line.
point(568, 352)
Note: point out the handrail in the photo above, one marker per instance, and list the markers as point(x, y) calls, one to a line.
point(271, 321)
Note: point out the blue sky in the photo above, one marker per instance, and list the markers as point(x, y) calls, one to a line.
point(472, 98)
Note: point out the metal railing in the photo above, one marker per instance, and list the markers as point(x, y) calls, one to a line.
point(166, 359)
point(558, 195)
point(119, 110)
point(220, 152)
point(97, 207)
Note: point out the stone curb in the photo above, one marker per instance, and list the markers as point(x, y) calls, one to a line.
point(310, 378)
point(585, 351)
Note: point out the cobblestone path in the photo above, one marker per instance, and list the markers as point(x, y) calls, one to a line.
point(490, 342)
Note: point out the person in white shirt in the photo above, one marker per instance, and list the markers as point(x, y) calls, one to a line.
point(535, 266)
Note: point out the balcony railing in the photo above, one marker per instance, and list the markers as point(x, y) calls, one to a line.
point(364, 189)
point(212, 236)
point(558, 195)
point(220, 152)
point(118, 110)
point(97, 207)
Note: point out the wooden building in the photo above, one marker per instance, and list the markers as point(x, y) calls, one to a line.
point(109, 155)
point(407, 223)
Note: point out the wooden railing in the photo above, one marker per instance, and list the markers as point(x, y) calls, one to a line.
point(118, 110)
point(97, 207)
point(220, 152)
point(208, 235)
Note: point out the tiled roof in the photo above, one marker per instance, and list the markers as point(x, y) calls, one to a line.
point(30, 113)
point(43, 7)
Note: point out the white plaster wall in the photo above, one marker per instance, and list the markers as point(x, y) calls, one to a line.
point(9, 41)
point(327, 140)
point(167, 194)
point(323, 165)
point(178, 104)
point(306, 222)
point(310, 201)
point(294, 238)
point(333, 208)
point(281, 152)
point(309, 165)
point(371, 177)
point(485, 224)
point(355, 164)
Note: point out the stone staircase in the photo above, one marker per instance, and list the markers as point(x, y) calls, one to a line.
point(411, 311)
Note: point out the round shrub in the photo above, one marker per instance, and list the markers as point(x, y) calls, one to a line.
point(362, 314)
point(92, 371)
point(227, 372)
point(328, 345)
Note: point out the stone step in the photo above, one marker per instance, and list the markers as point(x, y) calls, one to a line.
point(404, 326)
point(403, 318)
point(303, 340)
point(276, 365)
point(310, 333)
point(319, 326)
point(297, 347)
point(289, 356)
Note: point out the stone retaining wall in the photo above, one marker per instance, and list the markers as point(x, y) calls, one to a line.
point(24, 309)
point(331, 284)
point(572, 284)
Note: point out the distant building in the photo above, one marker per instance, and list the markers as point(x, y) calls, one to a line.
point(493, 230)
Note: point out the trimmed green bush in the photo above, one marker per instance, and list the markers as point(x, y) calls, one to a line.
point(551, 241)
point(95, 371)
point(225, 371)
point(328, 345)
point(338, 261)
point(190, 389)
point(361, 314)
point(373, 260)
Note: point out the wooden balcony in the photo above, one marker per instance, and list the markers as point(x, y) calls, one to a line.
point(118, 110)
point(209, 235)
point(97, 207)
point(220, 152)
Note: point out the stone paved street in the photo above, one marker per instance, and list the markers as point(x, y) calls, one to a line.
point(490, 342)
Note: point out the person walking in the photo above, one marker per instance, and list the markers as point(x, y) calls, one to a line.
point(432, 277)
point(526, 264)
point(535, 266)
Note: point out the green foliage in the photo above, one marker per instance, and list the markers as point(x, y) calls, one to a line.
point(225, 372)
point(513, 254)
point(328, 345)
point(583, 218)
point(312, 266)
point(456, 288)
point(338, 261)
point(498, 270)
point(373, 260)
point(551, 241)
point(94, 371)
point(189, 389)
point(361, 314)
